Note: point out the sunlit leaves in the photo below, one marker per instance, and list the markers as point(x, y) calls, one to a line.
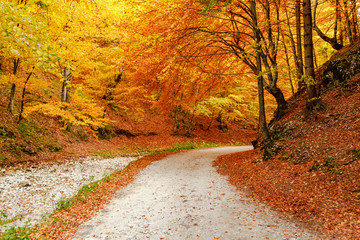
point(155, 43)
point(80, 111)
point(24, 35)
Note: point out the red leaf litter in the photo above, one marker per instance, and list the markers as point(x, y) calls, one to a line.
point(316, 175)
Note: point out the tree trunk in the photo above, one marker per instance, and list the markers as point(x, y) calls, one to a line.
point(337, 18)
point(293, 47)
point(13, 88)
point(211, 119)
point(280, 100)
point(65, 95)
point(348, 23)
point(176, 124)
point(1, 62)
point(191, 126)
point(354, 13)
point(312, 97)
point(23, 97)
point(299, 60)
point(288, 65)
point(262, 118)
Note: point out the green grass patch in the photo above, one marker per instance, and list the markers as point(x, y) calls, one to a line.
point(65, 204)
point(106, 154)
point(192, 145)
point(4, 161)
point(31, 129)
point(15, 233)
point(5, 220)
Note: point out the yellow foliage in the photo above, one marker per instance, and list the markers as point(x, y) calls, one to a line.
point(98, 39)
point(10, 78)
point(81, 111)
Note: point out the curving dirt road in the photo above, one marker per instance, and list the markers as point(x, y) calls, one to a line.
point(183, 197)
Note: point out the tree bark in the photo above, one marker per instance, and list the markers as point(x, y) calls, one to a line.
point(348, 23)
point(13, 88)
point(65, 95)
point(354, 13)
point(312, 96)
point(293, 47)
point(288, 65)
point(23, 97)
point(280, 100)
point(262, 118)
point(176, 114)
point(299, 55)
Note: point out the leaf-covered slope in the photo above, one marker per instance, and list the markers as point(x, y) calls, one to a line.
point(43, 138)
point(315, 175)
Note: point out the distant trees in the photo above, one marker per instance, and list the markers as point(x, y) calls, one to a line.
point(60, 44)
point(345, 23)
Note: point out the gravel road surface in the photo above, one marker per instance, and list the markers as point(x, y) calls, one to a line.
point(183, 197)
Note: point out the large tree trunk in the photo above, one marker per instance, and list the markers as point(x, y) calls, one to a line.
point(348, 23)
point(13, 88)
point(293, 47)
point(299, 55)
point(312, 96)
point(12, 98)
point(354, 20)
point(262, 118)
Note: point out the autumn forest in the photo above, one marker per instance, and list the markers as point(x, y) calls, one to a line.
point(77, 60)
point(110, 78)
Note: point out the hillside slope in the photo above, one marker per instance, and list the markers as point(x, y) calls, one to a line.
point(41, 138)
point(316, 173)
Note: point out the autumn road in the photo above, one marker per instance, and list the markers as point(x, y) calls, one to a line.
point(183, 197)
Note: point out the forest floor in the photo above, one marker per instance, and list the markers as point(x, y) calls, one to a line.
point(315, 177)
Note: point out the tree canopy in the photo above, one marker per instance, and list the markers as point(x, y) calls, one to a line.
point(78, 59)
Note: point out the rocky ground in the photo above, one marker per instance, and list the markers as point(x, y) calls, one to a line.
point(28, 194)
